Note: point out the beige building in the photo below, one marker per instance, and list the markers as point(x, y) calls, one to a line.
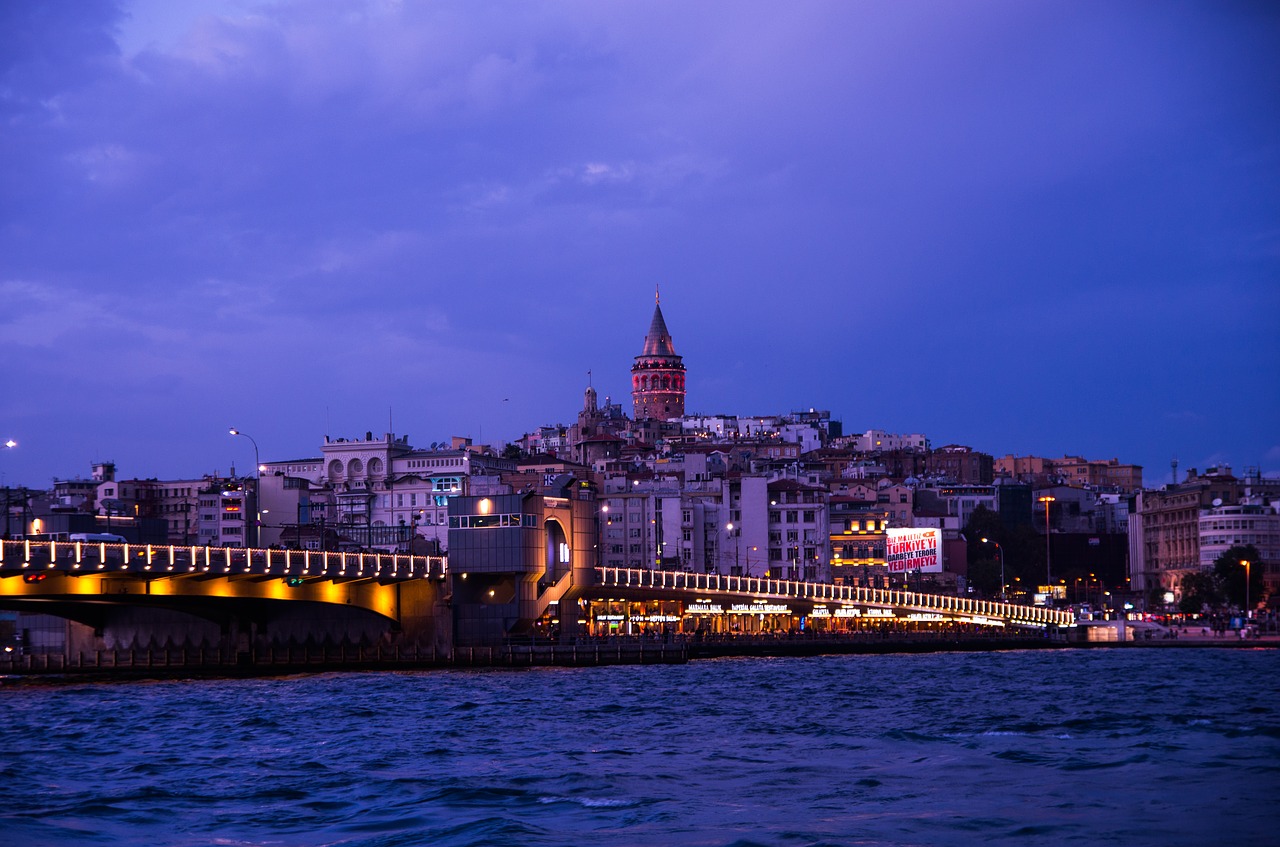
point(1072, 470)
point(1165, 528)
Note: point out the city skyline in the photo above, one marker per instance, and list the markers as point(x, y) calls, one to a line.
point(1032, 230)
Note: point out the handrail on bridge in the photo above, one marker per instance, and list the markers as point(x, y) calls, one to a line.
point(163, 560)
point(829, 592)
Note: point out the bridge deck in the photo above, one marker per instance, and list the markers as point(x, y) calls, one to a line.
point(681, 584)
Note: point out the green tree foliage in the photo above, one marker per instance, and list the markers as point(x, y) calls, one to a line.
point(1230, 573)
point(1200, 591)
point(984, 575)
point(1023, 553)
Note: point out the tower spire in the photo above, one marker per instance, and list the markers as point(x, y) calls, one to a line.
point(658, 375)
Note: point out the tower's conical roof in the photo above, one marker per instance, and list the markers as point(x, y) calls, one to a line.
point(658, 341)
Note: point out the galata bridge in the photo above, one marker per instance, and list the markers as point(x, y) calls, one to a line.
point(520, 567)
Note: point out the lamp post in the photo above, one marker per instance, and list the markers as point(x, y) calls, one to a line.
point(999, 550)
point(8, 445)
point(257, 486)
point(1246, 564)
point(1048, 570)
point(728, 529)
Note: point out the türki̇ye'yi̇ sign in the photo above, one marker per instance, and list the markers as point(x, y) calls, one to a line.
point(914, 550)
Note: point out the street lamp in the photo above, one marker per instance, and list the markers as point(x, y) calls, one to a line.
point(257, 486)
point(1048, 570)
point(728, 528)
point(1246, 564)
point(8, 445)
point(999, 550)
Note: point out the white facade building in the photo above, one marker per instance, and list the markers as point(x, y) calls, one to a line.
point(380, 493)
point(876, 440)
point(1224, 527)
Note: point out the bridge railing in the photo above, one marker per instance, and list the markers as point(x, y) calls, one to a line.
point(983, 611)
point(169, 560)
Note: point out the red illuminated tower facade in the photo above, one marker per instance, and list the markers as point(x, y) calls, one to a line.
point(657, 377)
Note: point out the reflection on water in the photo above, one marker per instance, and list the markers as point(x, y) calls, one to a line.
point(1165, 747)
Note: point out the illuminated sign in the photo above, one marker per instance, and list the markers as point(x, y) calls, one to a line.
point(759, 609)
point(913, 550)
point(820, 612)
point(609, 617)
point(848, 612)
point(924, 616)
point(880, 613)
point(704, 609)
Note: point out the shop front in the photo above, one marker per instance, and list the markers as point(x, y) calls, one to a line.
point(716, 617)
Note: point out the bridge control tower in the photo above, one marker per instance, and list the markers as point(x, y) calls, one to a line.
point(514, 558)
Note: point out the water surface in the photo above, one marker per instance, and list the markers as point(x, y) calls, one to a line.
point(1126, 747)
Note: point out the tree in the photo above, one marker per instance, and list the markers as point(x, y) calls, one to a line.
point(984, 575)
point(1230, 570)
point(1199, 590)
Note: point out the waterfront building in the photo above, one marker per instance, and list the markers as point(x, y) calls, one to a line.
point(858, 528)
point(1238, 525)
point(799, 531)
point(1164, 532)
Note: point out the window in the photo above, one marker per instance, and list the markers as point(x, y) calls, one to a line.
point(808, 517)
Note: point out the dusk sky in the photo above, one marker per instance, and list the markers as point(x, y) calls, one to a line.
point(1036, 228)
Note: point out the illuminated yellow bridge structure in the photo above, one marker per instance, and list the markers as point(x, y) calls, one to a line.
point(78, 579)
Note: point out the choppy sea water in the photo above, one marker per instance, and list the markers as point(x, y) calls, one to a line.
point(1129, 747)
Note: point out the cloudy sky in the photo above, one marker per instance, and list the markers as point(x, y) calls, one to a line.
point(1042, 228)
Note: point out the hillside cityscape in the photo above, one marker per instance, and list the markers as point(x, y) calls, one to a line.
point(783, 496)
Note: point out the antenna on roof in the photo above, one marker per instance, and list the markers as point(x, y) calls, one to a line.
point(657, 299)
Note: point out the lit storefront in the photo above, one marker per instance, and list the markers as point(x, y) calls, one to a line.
point(634, 617)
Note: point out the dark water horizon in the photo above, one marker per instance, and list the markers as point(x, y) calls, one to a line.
point(1125, 747)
